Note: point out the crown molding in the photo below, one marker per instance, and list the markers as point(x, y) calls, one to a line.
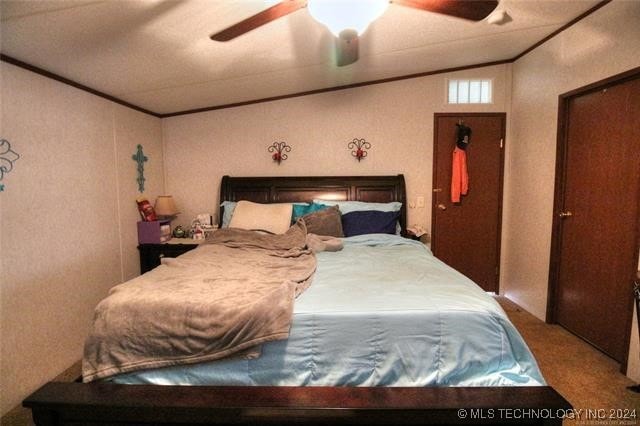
point(561, 29)
point(18, 63)
point(334, 88)
point(49, 74)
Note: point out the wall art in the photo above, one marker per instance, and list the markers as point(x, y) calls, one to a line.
point(278, 150)
point(7, 158)
point(359, 148)
point(140, 159)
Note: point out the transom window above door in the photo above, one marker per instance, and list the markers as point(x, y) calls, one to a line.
point(469, 91)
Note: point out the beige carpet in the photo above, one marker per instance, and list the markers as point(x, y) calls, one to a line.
point(586, 377)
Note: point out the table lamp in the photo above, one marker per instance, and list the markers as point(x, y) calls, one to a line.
point(165, 207)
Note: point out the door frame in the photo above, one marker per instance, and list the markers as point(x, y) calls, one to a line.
point(503, 116)
point(558, 198)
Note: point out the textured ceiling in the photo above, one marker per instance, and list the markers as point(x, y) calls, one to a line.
point(158, 55)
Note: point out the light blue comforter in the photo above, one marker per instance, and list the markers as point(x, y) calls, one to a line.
point(381, 312)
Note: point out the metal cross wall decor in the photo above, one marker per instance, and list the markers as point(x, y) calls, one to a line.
point(7, 158)
point(140, 158)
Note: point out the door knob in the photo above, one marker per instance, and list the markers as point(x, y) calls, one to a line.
point(442, 207)
point(565, 214)
point(437, 189)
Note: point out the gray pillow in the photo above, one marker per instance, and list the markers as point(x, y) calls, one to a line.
point(324, 222)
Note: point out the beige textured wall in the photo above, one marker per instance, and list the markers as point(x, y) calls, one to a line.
point(396, 118)
point(130, 129)
point(603, 44)
point(66, 224)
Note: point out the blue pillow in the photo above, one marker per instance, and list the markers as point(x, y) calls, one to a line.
point(228, 209)
point(300, 210)
point(369, 222)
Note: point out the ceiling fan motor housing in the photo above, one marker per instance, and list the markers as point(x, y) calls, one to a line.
point(347, 47)
point(347, 40)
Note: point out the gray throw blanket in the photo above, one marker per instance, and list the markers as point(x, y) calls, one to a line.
point(218, 300)
point(318, 243)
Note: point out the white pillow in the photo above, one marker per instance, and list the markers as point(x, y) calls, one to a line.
point(274, 218)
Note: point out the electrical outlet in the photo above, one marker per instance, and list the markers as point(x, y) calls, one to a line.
point(420, 202)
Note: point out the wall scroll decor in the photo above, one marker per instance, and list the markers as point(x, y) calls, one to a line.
point(359, 147)
point(7, 158)
point(278, 149)
point(140, 158)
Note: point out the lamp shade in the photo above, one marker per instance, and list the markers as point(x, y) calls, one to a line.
point(339, 15)
point(165, 206)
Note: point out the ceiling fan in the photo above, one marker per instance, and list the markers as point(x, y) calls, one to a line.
point(336, 13)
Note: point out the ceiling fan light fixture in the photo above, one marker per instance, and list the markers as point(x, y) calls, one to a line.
point(339, 15)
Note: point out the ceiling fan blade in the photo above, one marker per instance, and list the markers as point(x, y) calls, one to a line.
point(274, 12)
point(473, 10)
point(347, 48)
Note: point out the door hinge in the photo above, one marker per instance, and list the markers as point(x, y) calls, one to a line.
point(501, 143)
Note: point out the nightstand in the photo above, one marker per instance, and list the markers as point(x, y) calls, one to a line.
point(151, 254)
point(424, 239)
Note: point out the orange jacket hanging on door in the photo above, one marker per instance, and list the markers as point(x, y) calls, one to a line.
point(459, 175)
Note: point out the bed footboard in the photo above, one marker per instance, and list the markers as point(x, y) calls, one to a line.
point(101, 403)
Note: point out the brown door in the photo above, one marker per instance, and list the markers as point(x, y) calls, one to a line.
point(597, 215)
point(466, 235)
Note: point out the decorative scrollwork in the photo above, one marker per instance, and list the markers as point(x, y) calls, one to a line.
point(7, 158)
point(278, 150)
point(359, 147)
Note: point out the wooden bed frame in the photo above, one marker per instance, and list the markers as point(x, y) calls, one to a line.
point(378, 189)
point(59, 403)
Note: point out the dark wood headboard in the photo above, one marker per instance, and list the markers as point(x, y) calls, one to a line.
point(378, 189)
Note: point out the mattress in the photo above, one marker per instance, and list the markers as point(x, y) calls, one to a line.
point(381, 312)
